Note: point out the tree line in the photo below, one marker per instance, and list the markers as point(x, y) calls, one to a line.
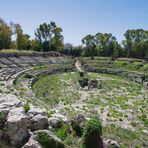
point(135, 45)
point(48, 37)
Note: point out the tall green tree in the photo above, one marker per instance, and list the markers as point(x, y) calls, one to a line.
point(117, 51)
point(90, 46)
point(23, 42)
point(57, 40)
point(49, 37)
point(135, 43)
point(43, 36)
point(102, 44)
point(19, 36)
point(5, 35)
point(105, 43)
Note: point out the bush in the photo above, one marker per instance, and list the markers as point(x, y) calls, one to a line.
point(26, 107)
point(47, 141)
point(92, 133)
point(63, 132)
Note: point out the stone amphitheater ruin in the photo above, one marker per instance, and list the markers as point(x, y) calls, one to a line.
point(19, 129)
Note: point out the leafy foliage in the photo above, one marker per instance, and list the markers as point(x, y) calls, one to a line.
point(136, 43)
point(49, 37)
point(26, 107)
point(92, 133)
point(63, 132)
point(47, 141)
point(5, 35)
point(22, 39)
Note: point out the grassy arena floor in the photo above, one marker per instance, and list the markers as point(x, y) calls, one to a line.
point(119, 103)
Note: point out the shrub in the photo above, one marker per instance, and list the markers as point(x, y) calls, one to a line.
point(50, 113)
point(26, 107)
point(63, 132)
point(92, 133)
point(69, 140)
point(47, 141)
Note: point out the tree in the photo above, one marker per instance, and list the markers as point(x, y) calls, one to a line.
point(27, 42)
point(77, 51)
point(49, 37)
point(57, 40)
point(43, 36)
point(135, 43)
point(71, 50)
point(34, 45)
point(90, 46)
point(117, 51)
point(19, 36)
point(13, 45)
point(22, 40)
point(5, 35)
point(105, 43)
point(100, 44)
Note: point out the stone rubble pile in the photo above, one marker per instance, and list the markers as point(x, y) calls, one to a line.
point(19, 129)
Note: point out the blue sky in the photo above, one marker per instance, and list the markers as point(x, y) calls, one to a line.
point(78, 17)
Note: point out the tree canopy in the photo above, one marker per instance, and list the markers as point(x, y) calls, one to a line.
point(5, 35)
point(48, 37)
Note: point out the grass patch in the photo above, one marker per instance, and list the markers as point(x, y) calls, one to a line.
point(123, 136)
point(57, 88)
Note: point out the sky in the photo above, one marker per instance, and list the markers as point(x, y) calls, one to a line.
point(78, 18)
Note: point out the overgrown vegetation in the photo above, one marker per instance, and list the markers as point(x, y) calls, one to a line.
point(125, 137)
point(26, 107)
point(46, 141)
point(92, 134)
point(119, 103)
point(64, 89)
point(116, 101)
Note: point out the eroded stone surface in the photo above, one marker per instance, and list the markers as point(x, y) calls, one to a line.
point(15, 131)
point(38, 122)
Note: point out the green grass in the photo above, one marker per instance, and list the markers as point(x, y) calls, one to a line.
point(117, 93)
point(63, 132)
point(125, 137)
point(26, 107)
point(13, 51)
point(46, 141)
point(124, 64)
point(55, 88)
